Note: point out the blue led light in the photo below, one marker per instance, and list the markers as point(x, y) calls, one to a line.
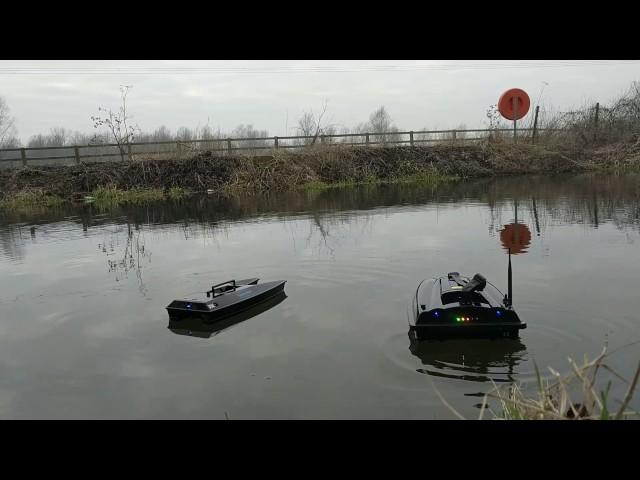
point(437, 314)
point(188, 305)
point(498, 312)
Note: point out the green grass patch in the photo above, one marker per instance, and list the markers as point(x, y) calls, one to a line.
point(430, 178)
point(177, 193)
point(315, 186)
point(103, 197)
point(427, 178)
point(320, 185)
point(28, 199)
point(109, 196)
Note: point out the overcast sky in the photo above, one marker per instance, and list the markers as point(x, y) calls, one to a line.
point(272, 94)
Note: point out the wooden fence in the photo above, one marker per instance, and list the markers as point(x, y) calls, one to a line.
point(75, 154)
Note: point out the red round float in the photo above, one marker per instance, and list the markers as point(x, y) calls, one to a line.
point(507, 100)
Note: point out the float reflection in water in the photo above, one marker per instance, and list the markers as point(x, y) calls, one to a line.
point(475, 360)
point(196, 326)
point(516, 237)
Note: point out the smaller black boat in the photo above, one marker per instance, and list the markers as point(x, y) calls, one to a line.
point(225, 299)
point(195, 326)
point(455, 305)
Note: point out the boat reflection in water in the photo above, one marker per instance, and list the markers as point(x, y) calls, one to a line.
point(197, 327)
point(475, 360)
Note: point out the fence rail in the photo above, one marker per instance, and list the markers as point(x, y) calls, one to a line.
point(102, 152)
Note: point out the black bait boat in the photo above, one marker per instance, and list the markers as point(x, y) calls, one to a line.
point(195, 326)
point(455, 305)
point(225, 299)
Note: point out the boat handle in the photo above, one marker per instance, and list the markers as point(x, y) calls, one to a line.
point(213, 289)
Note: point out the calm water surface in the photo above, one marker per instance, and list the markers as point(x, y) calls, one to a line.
point(84, 333)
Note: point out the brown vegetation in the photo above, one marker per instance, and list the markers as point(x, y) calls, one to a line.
point(286, 170)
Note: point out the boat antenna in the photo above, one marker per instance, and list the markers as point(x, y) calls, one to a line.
point(509, 298)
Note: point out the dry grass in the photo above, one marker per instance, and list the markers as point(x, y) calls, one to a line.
point(591, 127)
point(318, 165)
point(570, 396)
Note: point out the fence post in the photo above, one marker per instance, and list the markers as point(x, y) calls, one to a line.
point(322, 139)
point(23, 154)
point(514, 105)
point(535, 125)
point(411, 137)
point(129, 152)
point(367, 138)
point(77, 153)
point(229, 145)
point(455, 136)
point(179, 149)
point(595, 131)
point(275, 142)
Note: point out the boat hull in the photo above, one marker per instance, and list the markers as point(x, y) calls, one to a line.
point(198, 327)
point(488, 330)
point(437, 311)
point(228, 304)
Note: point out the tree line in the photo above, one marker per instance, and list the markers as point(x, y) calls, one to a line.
point(112, 127)
point(619, 121)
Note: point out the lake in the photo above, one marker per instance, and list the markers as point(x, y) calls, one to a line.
point(84, 332)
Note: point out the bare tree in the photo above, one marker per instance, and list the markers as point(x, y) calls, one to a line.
point(11, 142)
point(162, 134)
point(185, 134)
point(59, 136)
point(453, 135)
point(116, 122)
point(207, 133)
point(38, 141)
point(380, 122)
point(306, 126)
point(7, 126)
point(79, 138)
point(309, 126)
point(247, 131)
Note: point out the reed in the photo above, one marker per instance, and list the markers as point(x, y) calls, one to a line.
point(574, 395)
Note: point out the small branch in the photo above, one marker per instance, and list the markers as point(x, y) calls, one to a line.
point(629, 394)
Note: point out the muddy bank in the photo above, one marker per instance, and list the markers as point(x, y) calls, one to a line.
point(288, 170)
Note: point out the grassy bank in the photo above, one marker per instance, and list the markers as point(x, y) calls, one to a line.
point(103, 197)
point(313, 168)
point(571, 396)
point(28, 198)
point(580, 394)
point(111, 196)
